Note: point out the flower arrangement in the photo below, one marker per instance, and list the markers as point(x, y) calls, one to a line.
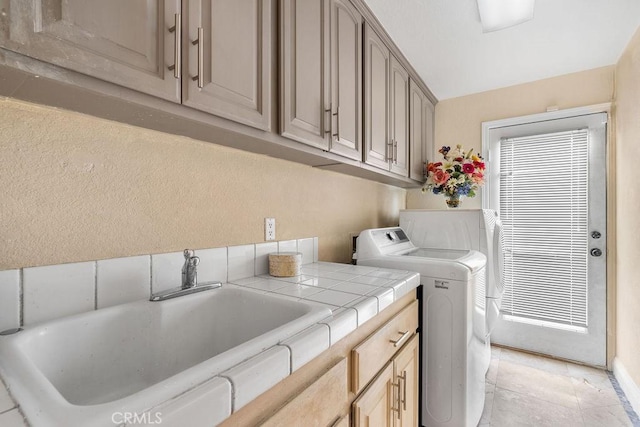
point(459, 174)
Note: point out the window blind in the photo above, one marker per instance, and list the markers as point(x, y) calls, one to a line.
point(544, 211)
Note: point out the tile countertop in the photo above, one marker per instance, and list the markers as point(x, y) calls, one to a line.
point(354, 294)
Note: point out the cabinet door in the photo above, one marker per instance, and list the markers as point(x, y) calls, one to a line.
point(399, 118)
point(377, 405)
point(305, 88)
point(227, 53)
point(346, 79)
point(120, 41)
point(419, 112)
point(376, 100)
point(406, 371)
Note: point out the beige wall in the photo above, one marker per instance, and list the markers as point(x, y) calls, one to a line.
point(78, 188)
point(628, 218)
point(459, 120)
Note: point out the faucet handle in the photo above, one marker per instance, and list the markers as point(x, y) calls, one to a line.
point(189, 253)
point(193, 261)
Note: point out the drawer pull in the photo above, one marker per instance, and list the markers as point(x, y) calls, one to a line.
point(402, 339)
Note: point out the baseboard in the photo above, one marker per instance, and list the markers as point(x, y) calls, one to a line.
point(630, 388)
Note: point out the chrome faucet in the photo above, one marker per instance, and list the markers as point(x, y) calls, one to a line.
point(190, 269)
point(190, 283)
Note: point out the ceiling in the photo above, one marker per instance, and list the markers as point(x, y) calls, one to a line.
point(443, 40)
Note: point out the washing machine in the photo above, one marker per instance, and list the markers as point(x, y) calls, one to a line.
point(477, 229)
point(453, 375)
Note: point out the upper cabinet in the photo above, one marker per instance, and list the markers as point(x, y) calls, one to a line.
point(386, 96)
point(227, 53)
point(321, 83)
point(346, 79)
point(119, 41)
point(377, 133)
point(399, 118)
point(421, 115)
point(345, 89)
point(214, 57)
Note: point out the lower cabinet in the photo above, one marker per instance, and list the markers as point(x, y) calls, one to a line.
point(391, 400)
point(369, 378)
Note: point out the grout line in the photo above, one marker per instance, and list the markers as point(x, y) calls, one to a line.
point(150, 275)
point(633, 417)
point(21, 297)
point(95, 285)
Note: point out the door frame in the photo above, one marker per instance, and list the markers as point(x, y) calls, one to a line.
point(610, 153)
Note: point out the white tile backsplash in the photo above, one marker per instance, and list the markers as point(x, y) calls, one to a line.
point(288, 246)
point(122, 280)
point(213, 265)
point(315, 249)
point(166, 271)
point(9, 299)
point(262, 256)
point(305, 246)
point(58, 290)
point(241, 261)
point(37, 294)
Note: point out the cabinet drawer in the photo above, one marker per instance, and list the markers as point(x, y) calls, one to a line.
point(317, 405)
point(373, 353)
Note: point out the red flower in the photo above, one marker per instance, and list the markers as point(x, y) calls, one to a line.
point(479, 165)
point(440, 177)
point(458, 159)
point(468, 168)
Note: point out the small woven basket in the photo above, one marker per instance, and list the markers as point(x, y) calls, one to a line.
point(285, 264)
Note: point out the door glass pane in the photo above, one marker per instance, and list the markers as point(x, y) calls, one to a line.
point(544, 210)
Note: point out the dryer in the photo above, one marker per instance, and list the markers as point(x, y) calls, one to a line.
point(452, 329)
point(477, 229)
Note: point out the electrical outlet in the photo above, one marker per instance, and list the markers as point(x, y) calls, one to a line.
point(352, 246)
point(269, 229)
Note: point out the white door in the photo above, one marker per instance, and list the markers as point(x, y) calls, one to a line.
point(548, 182)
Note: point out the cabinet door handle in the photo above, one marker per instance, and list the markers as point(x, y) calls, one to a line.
point(395, 151)
point(328, 128)
point(402, 339)
point(337, 114)
point(200, 42)
point(396, 398)
point(388, 155)
point(177, 49)
point(403, 397)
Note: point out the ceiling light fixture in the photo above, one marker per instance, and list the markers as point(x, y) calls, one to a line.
point(500, 14)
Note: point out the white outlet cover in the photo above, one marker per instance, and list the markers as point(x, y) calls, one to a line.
point(269, 229)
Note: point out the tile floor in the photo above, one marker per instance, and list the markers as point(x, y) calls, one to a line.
point(527, 390)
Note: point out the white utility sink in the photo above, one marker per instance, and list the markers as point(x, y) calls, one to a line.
point(79, 370)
